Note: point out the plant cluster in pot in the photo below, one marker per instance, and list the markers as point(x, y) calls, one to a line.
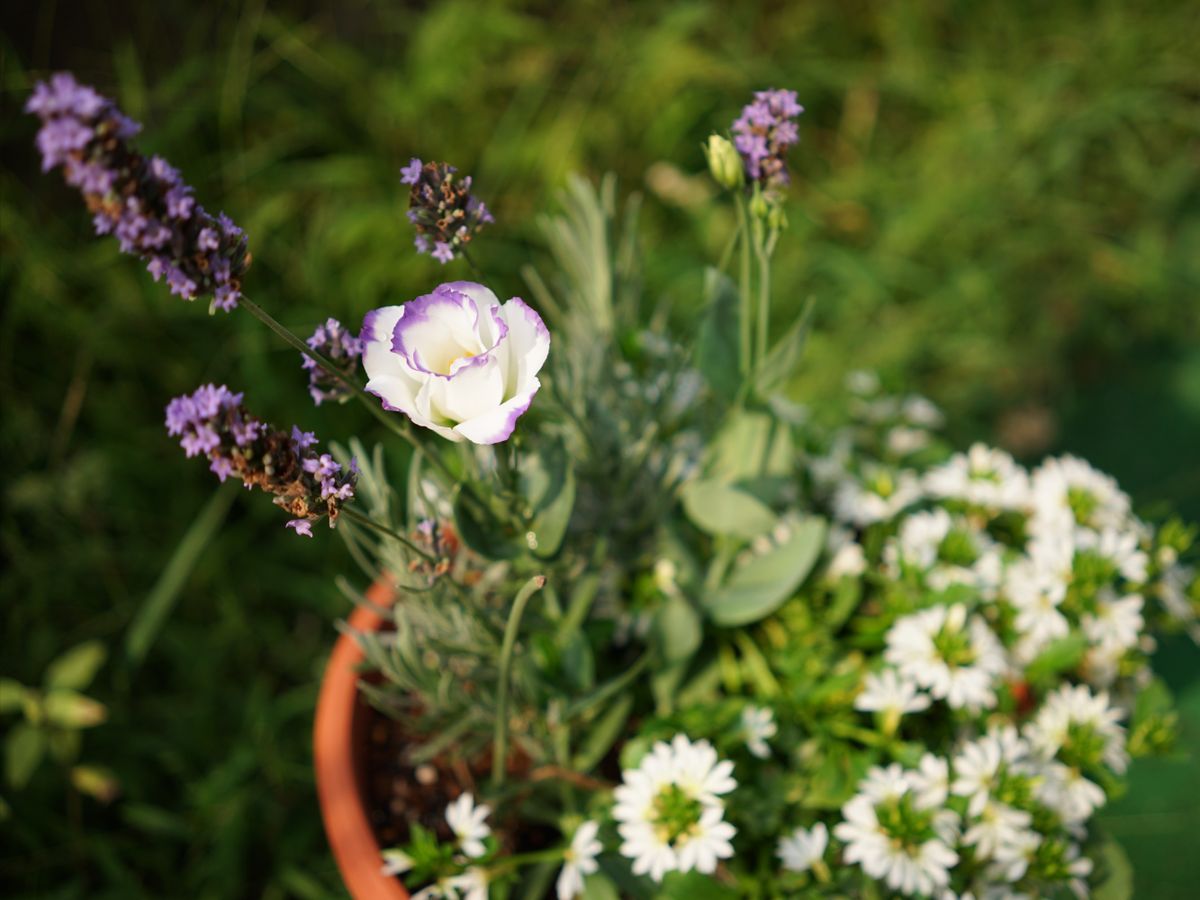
point(649, 626)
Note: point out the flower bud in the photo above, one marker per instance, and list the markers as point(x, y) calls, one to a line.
point(724, 162)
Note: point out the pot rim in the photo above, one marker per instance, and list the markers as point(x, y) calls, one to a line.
point(338, 726)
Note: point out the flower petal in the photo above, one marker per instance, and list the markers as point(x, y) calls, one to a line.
point(497, 424)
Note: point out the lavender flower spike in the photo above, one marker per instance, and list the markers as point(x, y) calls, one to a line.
point(342, 348)
point(212, 421)
point(763, 134)
point(442, 208)
point(142, 202)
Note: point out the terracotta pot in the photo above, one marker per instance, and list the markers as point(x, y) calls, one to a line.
point(339, 744)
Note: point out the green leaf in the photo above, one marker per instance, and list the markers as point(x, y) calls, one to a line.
point(482, 532)
point(717, 354)
point(76, 668)
point(1116, 871)
point(677, 629)
point(23, 750)
point(694, 886)
point(548, 484)
point(1062, 655)
point(599, 886)
point(724, 509)
point(70, 709)
point(98, 783)
point(782, 359)
point(762, 584)
point(604, 734)
point(753, 449)
point(12, 695)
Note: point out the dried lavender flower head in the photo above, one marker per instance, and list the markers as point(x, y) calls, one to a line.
point(143, 202)
point(342, 348)
point(442, 208)
point(212, 421)
point(763, 134)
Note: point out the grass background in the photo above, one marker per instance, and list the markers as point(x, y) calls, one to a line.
point(997, 203)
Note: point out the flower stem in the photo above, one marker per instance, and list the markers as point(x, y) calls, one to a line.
point(500, 744)
point(764, 293)
point(746, 318)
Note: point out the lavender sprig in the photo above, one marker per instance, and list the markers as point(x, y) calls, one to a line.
point(763, 134)
point(143, 202)
point(213, 422)
point(342, 348)
point(442, 208)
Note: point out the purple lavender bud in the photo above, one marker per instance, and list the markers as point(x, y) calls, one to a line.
point(212, 421)
point(763, 134)
point(443, 210)
point(342, 348)
point(142, 202)
point(412, 172)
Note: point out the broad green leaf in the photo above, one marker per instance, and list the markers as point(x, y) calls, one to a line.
point(604, 734)
point(598, 886)
point(694, 886)
point(724, 509)
point(95, 781)
point(753, 449)
point(76, 668)
point(782, 359)
point(677, 628)
point(12, 695)
point(548, 484)
point(482, 532)
point(23, 750)
point(70, 709)
point(1063, 654)
point(717, 353)
point(761, 585)
point(1116, 872)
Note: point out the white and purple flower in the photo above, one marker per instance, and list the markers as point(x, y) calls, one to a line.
point(456, 361)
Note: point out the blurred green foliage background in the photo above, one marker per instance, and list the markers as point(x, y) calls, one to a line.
point(996, 203)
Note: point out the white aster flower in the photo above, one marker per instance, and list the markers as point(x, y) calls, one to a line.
point(669, 809)
point(1065, 790)
point(930, 781)
point(922, 411)
point(952, 654)
point(396, 862)
point(1116, 624)
point(846, 554)
point(470, 885)
point(467, 821)
point(1035, 594)
point(912, 851)
point(944, 551)
point(892, 696)
point(877, 498)
point(758, 724)
point(802, 848)
point(1118, 547)
point(1173, 594)
point(982, 477)
point(1011, 859)
point(1075, 709)
point(981, 765)
point(579, 860)
point(903, 440)
point(1068, 488)
point(998, 827)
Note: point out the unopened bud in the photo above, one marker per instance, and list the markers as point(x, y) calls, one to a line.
point(724, 162)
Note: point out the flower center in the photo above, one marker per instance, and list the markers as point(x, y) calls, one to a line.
point(958, 548)
point(954, 647)
point(1083, 504)
point(675, 813)
point(906, 826)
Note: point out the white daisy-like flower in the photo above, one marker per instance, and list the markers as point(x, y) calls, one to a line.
point(470, 885)
point(982, 477)
point(950, 653)
point(669, 809)
point(802, 848)
point(945, 551)
point(903, 440)
point(981, 764)
point(1011, 860)
point(922, 411)
point(846, 557)
point(1067, 487)
point(1076, 708)
point(877, 498)
point(892, 696)
point(758, 725)
point(1173, 594)
point(1120, 547)
point(467, 821)
point(1035, 594)
point(998, 827)
point(930, 781)
point(893, 838)
point(579, 860)
point(1116, 624)
point(396, 862)
point(1065, 790)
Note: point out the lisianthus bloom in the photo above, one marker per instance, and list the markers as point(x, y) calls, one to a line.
point(456, 361)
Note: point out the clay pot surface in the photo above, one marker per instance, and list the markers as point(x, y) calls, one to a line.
point(339, 745)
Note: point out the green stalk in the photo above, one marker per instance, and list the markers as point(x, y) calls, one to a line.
point(500, 744)
point(355, 516)
point(764, 293)
point(746, 318)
